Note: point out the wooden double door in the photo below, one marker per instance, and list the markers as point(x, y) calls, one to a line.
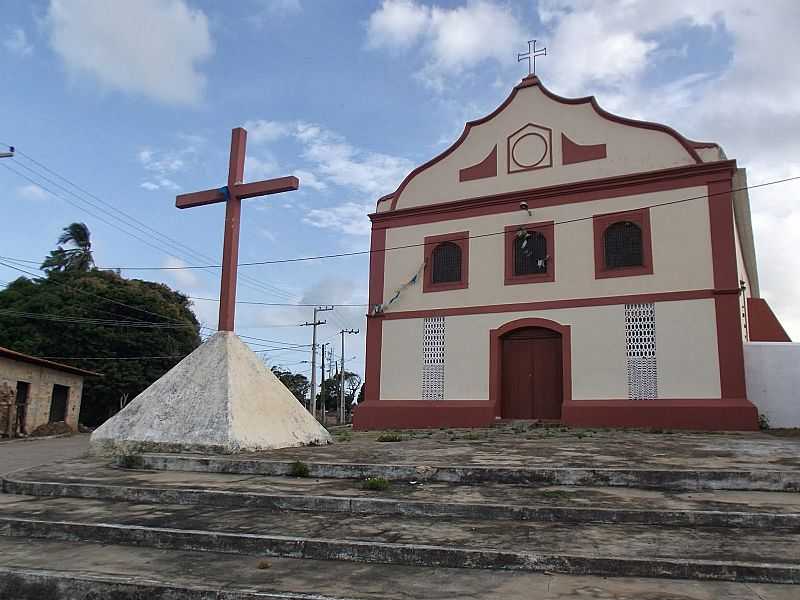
point(532, 374)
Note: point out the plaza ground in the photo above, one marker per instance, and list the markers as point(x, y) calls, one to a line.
point(514, 511)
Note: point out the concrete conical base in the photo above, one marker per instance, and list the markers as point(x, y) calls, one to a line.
point(220, 398)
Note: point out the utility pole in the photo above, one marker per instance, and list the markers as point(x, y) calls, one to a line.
point(313, 400)
point(323, 411)
point(8, 154)
point(342, 411)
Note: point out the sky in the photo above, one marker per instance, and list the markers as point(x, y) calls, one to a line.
point(134, 102)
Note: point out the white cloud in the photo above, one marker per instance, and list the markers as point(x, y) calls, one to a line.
point(261, 131)
point(32, 192)
point(308, 179)
point(160, 183)
point(160, 162)
point(148, 47)
point(266, 233)
point(17, 42)
point(750, 105)
point(350, 218)
point(370, 172)
point(397, 23)
point(256, 169)
point(452, 39)
point(334, 159)
point(185, 278)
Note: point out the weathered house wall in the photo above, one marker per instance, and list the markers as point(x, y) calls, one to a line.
point(41, 380)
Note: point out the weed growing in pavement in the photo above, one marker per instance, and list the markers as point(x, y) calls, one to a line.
point(391, 436)
point(299, 469)
point(376, 484)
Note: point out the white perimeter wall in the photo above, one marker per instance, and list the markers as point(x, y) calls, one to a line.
point(772, 370)
point(686, 345)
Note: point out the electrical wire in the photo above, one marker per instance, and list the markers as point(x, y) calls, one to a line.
point(171, 243)
point(421, 244)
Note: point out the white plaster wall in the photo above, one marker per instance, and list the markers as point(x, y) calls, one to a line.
point(681, 254)
point(401, 359)
point(686, 344)
point(629, 150)
point(686, 349)
point(773, 381)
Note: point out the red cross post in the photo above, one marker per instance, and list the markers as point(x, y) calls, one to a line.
point(232, 195)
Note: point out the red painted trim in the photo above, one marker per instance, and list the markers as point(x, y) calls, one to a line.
point(763, 324)
point(377, 266)
point(421, 414)
point(551, 304)
point(496, 357)
point(701, 414)
point(548, 149)
point(572, 153)
point(460, 239)
point(727, 308)
point(484, 169)
point(640, 217)
point(372, 367)
point(548, 231)
point(688, 145)
point(557, 195)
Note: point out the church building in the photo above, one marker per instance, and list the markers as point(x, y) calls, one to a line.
point(559, 262)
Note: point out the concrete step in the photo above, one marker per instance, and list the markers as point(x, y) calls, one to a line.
point(678, 479)
point(490, 501)
point(574, 549)
point(86, 571)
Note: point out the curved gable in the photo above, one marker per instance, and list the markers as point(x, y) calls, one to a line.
point(538, 139)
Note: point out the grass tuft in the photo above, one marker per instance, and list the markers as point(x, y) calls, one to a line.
point(391, 436)
point(299, 469)
point(376, 484)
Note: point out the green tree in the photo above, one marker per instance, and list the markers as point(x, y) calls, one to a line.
point(296, 382)
point(329, 390)
point(38, 317)
point(78, 258)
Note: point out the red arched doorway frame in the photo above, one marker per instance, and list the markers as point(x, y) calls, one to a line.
point(496, 357)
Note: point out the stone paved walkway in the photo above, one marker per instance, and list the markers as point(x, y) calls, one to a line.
point(525, 445)
point(29, 452)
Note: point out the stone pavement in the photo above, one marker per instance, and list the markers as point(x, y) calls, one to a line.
point(28, 452)
point(513, 511)
point(83, 571)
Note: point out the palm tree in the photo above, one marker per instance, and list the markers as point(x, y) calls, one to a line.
point(78, 258)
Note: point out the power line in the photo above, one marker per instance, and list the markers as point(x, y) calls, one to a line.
point(421, 244)
point(167, 241)
point(272, 303)
point(94, 295)
point(86, 321)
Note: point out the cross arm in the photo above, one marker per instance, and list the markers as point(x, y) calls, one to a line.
point(199, 198)
point(241, 191)
point(268, 186)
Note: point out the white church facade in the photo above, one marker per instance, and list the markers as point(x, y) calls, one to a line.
point(558, 262)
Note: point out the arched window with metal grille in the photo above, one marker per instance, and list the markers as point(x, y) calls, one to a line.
point(530, 253)
point(446, 263)
point(623, 245)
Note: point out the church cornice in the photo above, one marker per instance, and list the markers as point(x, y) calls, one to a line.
point(565, 193)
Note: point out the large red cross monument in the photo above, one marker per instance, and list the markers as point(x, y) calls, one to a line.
point(233, 194)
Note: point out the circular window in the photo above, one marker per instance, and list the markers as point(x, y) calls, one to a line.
point(529, 150)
